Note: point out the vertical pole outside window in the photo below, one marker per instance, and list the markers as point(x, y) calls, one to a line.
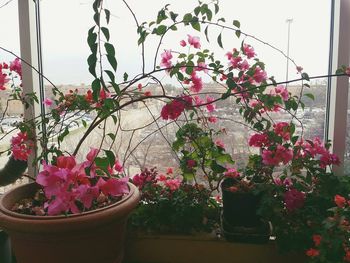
point(338, 87)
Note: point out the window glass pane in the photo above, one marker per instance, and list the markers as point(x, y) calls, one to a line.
point(65, 52)
point(10, 111)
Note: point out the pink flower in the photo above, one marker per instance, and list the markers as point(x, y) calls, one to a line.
point(282, 91)
point(169, 170)
point(259, 75)
point(183, 43)
point(198, 101)
point(280, 155)
point(299, 69)
point(161, 178)
point(47, 102)
point(139, 87)
point(248, 50)
point(138, 180)
point(232, 172)
point(312, 252)
point(294, 199)
point(194, 41)
point(259, 140)
point(118, 166)
point(197, 84)
point(347, 71)
point(235, 61)
point(220, 144)
point(173, 184)
point(86, 194)
point(212, 119)
point(16, 66)
point(3, 80)
point(202, 67)
point(210, 107)
point(191, 163)
point(340, 201)
point(21, 146)
point(173, 109)
point(282, 129)
point(166, 59)
point(113, 186)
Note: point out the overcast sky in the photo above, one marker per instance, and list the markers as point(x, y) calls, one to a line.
point(65, 24)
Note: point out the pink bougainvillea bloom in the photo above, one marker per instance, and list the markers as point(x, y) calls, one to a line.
point(3, 80)
point(139, 86)
point(169, 170)
point(248, 50)
point(218, 199)
point(317, 239)
point(210, 107)
point(147, 93)
point(191, 163)
point(173, 184)
point(194, 41)
point(347, 71)
point(294, 199)
point(183, 43)
point(280, 155)
point(16, 66)
point(328, 158)
point(259, 140)
point(48, 102)
point(232, 172)
point(173, 109)
point(340, 201)
point(202, 67)
point(282, 91)
point(166, 59)
point(86, 194)
point(312, 252)
point(299, 69)
point(220, 144)
point(198, 101)
point(113, 186)
point(259, 75)
point(212, 119)
point(67, 162)
point(244, 65)
point(118, 166)
point(138, 180)
point(282, 129)
point(21, 146)
point(235, 62)
point(197, 84)
point(162, 178)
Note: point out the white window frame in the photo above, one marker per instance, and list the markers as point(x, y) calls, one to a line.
point(337, 97)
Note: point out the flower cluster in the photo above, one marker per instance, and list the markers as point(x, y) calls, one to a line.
point(70, 189)
point(21, 146)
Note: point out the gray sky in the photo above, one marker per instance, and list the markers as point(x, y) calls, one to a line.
point(65, 24)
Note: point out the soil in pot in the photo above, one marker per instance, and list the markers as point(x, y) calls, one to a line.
point(239, 219)
point(91, 237)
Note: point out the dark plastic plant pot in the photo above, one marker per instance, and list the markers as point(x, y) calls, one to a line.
point(239, 220)
point(5, 248)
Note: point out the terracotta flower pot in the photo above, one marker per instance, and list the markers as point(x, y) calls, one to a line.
point(91, 237)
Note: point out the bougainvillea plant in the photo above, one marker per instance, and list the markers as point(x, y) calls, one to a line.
point(292, 170)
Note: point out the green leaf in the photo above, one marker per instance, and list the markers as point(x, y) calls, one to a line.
point(236, 23)
point(125, 76)
point(238, 33)
point(111, 157)
point(197, 10)
point(160, 30)
point(187, 18)
point(110, 49)
point(206, 33)
point(115, 87)
point(105, 31)
point(92, 64)
point(97, 18)
point(305, 76)
point(161, 16)
point(63, 134)
point(112, 61)
point(216, 8)
point(196, 25)
point(84, 123)
point(220, 41)
point(173, 16)
point(209, 14)
point(108, 15)
point(309, 95)
point(110, 75)
point(111, 135)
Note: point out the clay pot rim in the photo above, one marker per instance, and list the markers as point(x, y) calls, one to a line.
point(4, 210)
